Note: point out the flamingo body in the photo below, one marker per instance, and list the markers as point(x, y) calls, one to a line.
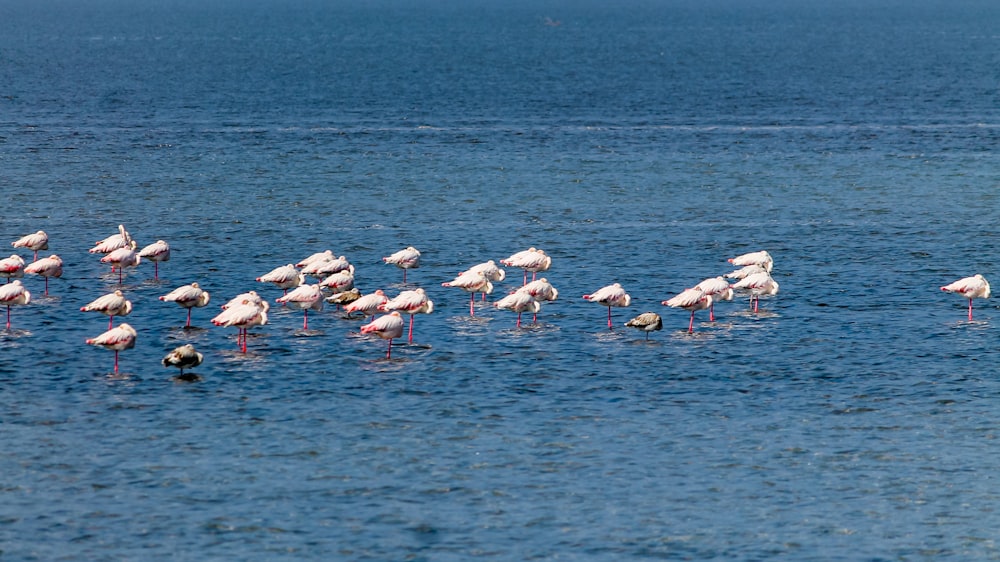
point(692, 300)
point(303, 298)
point(367, 304)
point(609, 296)
point(12, 267)
point(387, 327)
point(407, 258)
point(116, 339)
point(284, 277)
point(156, 252)
point(188, 296)
point(112, 304)
point(519, 301)
point(757, 284)
point(975, 287)
point(13, 294)
point(51, 266)
point(34, 242)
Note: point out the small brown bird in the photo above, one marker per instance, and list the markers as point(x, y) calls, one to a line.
point(647, 322)
point(184, 357)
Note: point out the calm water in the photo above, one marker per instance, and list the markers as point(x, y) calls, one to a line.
point(854, 417)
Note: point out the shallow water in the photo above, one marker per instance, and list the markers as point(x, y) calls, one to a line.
point(852, 417)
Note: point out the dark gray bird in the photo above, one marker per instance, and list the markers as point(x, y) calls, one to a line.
point(647, 322)
point(184, 357)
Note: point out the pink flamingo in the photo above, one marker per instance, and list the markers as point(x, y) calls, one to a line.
point(156, 252)
point(112, 304)
point(407, 258)
point(12, 267)
point(122, 258)
point(34, 242)
point(51, 266)
point(244, 315)
point(975, 287)
point(303, 298)
point(489, 270)
point(609, 296)
point(117, 339)
point(13, 294)
point(367, 304)
point(411, 302)
point(188, 296)
point(519, 301)
point(113, 242)
point(284, 277)
point(541, 290)
point(761, 258)
point(692, 300)
point(717, 288)
point(387, 327)
point(757, 284)
point(473, 283)
point(532, 259)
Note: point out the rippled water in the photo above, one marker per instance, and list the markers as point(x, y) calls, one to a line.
point(853, 417)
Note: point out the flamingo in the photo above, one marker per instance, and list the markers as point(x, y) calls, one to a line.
point(541, 290)
point(761, 258)
point(387, 327)
point(284, 277)
point(12, 267)
point(473, 283)
point(188, 296)
point(318, 256)
point(51, 266)
point(647, 322)
point(975, 287)
point(745, 271)
point(611, 295)
point(407, 258)
point(112, 304)
point(692, 299)
point(183, 357)
point(249, 296)
point(244, 315)
point(532, 259)
point(113, 242)
point(325, 268)
point(122, 258)
point(411, 302)
point(13, 294)
point(489, 270)
point(117, 339)
point(757, 284)
point(156, 252)
point(367, 304)
point(303, 298)
point(519, 301)
point(717, 288)
point(339, 282)
point(33, 242)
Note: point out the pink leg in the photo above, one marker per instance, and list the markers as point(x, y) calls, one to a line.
point(533, 275)
point(472, 304)
point(518, 319)
point(534, 318)
point(691, 324)
point(8, 317)
point(711, 312)
point(305, 321)
point(525, 277)
point(970, 309)
point(111, 321)
point(156, 275)
point(116, 362)
point(188, 324)
point(388, 354)
point(46, 286)
point(410, 335)
point(404, 281)
point(609, 317)
point(756, 302)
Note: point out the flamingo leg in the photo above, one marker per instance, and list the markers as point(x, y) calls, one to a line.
point(410, 335)
point(690, 324)
point(188, 323)
point(156, 276)
point(388, 354)
point(518, 319)
point(472, 304)
point(525, 277)
point(609, 317)
point(404, 281)
point(756, 302)
point(305, 321)
point(116, 361)
point(711, 313)
point(111, 321)
point(46, 286)
point(970, 309)
point(534, 318)
point(8, 316)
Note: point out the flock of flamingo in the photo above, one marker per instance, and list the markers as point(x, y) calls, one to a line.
point(335, 285)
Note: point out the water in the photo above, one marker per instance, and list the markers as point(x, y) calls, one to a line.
point(642, 143)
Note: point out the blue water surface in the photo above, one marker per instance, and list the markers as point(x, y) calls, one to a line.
point(640, 142)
